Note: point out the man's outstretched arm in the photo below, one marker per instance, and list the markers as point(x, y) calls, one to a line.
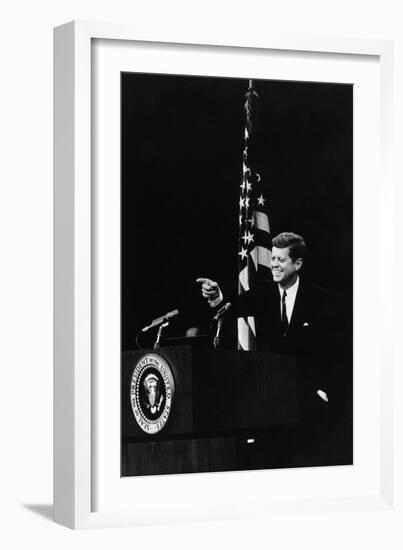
point(244, 304)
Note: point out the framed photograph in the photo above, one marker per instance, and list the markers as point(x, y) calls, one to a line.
point(216, 203)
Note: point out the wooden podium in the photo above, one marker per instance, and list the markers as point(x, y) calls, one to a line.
point(224, 405)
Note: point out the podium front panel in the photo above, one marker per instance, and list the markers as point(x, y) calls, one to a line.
point(222, 401)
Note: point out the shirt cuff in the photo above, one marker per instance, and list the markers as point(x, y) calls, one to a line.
point(217, 301)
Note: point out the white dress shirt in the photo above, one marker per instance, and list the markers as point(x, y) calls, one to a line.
point(290, 298)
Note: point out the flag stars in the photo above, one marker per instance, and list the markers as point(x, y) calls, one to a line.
point(245, 237)
point(242, 186)
point(261, 200)
point(251, 221)
point(243, 253)
point(247, 202)
point(241, 202)
point(249, 237)
point(248, 186)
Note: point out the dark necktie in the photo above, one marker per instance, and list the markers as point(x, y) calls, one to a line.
point(284, 320)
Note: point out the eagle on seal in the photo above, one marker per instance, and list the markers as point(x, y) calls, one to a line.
point(154, 398)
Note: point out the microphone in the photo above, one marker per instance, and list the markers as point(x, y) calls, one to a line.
point(222, 311)
point(219, 317)
point(160, 320)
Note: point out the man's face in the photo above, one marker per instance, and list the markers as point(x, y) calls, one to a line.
point(283, 267)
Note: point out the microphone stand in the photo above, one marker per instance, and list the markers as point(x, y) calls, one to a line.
point(157, 341)
point(219, 317)
point(216, 341)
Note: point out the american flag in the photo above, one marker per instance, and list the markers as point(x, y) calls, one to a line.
point(254, 230)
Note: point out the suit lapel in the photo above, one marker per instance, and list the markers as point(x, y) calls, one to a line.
point(276, 297)
point(299, 308)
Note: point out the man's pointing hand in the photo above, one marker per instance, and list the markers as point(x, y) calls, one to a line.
point(209, 288)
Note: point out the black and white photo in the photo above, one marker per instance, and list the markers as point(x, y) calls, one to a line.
point(236, 273)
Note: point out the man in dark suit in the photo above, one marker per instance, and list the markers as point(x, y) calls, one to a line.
point(289, 312)
point(293, 317)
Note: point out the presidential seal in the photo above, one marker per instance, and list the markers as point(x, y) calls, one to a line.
point(151, 392)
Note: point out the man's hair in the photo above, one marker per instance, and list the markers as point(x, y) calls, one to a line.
point(294, 242)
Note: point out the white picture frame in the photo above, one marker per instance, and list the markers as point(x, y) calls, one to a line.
point(77, 472)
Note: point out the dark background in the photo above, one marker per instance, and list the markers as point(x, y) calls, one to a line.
point(182, 143)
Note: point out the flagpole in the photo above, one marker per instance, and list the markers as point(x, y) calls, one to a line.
point(254, 230)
